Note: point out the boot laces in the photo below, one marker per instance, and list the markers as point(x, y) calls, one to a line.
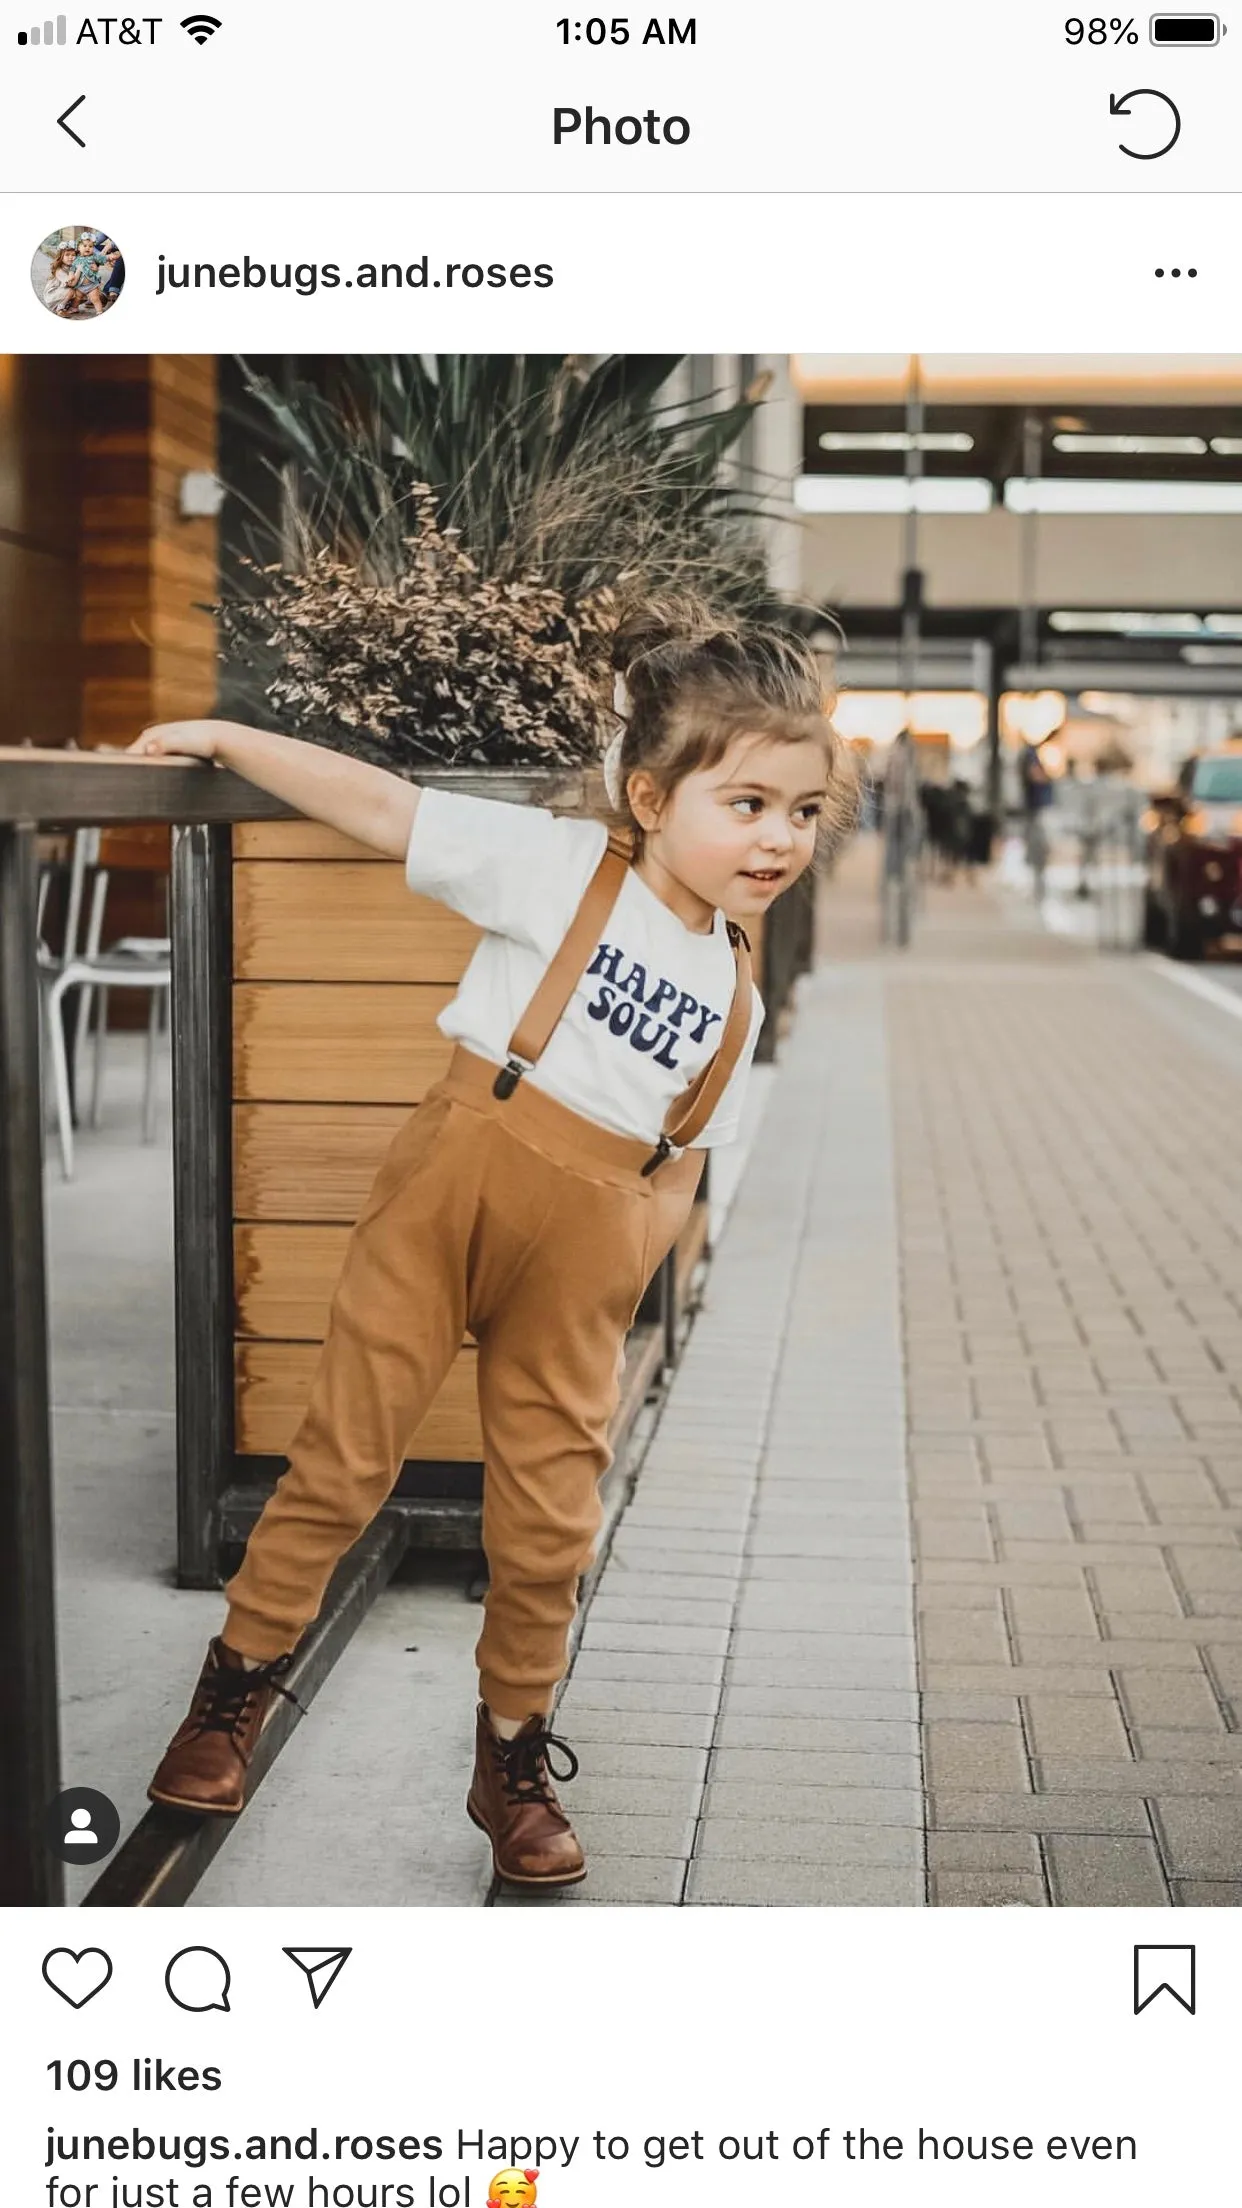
point(527, 1766)
point(227, 1695)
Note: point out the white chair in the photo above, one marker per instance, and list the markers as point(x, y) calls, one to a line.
point(51, 1036)
point(134, 962)
point(142, 955)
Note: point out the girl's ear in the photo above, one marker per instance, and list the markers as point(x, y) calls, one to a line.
point(645, 799)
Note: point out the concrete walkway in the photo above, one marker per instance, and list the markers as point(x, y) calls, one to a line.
point(962, 1414)
point(748, 1667)
point(931, 1587)
point(1070, 1196)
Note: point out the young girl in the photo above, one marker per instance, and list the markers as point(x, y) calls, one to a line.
point(602, 1036)
point(60, 290)
point(89, 269)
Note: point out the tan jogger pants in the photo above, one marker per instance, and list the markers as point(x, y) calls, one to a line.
point(532, 1227)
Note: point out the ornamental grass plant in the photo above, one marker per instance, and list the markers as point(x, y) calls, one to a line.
point(458, 534)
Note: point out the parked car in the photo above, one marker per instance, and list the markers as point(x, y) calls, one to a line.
point(1194, 856)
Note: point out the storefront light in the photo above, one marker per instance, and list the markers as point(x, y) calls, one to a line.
point(878, 716)
point(1108, 704)
point(1060, 495)
point(1067, 622)
point(1031, 716)
point(1131, 447)
point(1125, 624)
point(896, 440)
point(961, 715)
point(893, 494)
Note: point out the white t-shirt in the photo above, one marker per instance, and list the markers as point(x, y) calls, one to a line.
point(648, 1011)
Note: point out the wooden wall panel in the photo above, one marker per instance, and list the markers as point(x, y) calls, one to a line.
point(136, 845)
point(38, 646)
point(337, 1042)
point(340, 976)
point(146, 569)
point(342, 922)
point(40, 511)
point(274, 1381)
point(299, 839)
point(309, 1161)
point(184, 437)
point(284, 1277)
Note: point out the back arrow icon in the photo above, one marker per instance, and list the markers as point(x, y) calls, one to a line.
point(64, 125)
point(1117, 106)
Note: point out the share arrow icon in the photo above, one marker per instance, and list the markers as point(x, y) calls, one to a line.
point(323, 1966)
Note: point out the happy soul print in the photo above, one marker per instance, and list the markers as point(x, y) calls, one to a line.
point(652, 1019)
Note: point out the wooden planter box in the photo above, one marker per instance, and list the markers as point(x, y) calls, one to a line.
point(338, 976)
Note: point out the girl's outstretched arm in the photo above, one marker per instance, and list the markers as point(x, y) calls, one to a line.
point(364, 802)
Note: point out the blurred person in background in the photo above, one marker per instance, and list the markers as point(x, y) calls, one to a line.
point(903, 835)
point(1037, 795)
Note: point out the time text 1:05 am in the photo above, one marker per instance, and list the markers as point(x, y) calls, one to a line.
point(617, 30)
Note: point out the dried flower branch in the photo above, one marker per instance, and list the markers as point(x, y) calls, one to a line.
point(438, 663)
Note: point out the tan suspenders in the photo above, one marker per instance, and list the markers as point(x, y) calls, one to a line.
point(689, 1113)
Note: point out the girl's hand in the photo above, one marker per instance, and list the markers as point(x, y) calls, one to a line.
point(179, 740)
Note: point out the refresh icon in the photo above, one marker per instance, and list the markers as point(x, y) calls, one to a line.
point(1118, 104)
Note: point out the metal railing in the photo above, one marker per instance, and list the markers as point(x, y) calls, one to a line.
point(54, 790)
point(788, 950)
point(50, 789)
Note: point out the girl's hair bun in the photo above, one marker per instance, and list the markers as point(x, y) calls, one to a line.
point(663, 629)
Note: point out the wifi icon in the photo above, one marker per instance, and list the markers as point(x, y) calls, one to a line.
point(200, 27)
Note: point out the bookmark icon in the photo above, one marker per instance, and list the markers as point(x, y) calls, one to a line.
point(1166, 1969)
point(322, 1965)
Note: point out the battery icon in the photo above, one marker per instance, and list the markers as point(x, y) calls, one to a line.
point(1185, 30)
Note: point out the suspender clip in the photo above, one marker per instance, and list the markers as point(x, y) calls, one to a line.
point(508, 1077)
point(663, 1150)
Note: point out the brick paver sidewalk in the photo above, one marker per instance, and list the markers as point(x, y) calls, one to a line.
point(1070, 1194)
point(969, 1355)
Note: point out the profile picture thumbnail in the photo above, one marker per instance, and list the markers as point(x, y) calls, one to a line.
point(78, 272)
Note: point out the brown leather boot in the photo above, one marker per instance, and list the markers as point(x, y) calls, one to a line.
point(205, 1763)
point(513, 1801)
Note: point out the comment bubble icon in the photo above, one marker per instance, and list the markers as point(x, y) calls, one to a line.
point(198, 1979)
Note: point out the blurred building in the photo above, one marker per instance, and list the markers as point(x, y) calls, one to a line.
point(1078, 539)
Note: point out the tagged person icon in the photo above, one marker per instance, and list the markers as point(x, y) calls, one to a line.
point(81, 1825)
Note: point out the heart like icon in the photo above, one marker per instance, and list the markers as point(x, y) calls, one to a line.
point(77, 1978)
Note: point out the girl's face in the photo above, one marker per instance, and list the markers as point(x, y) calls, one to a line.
point(736, 835)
